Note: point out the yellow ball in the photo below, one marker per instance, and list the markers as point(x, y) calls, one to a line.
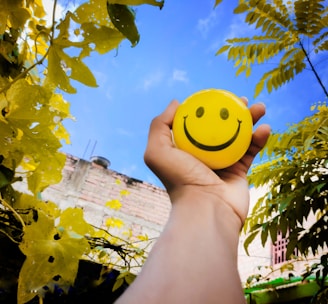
point(215, 126)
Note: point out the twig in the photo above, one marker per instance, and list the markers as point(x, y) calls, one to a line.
point(38, 62)
point(14, 212)
point(313, 69)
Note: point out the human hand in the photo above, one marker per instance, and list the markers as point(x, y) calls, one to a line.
point(180, 172)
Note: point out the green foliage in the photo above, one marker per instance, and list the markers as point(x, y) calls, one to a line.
point(296, 179)
point(294, 175)
point(123, 19)
point(284, 29)
point(35, 65)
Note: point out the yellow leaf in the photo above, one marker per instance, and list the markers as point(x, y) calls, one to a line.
point(48, 254)
point(92, 11)
point(58, 103)
point(124, 192)
point(103, 38)
point(114, 222)
point(56, 74)
point(143, 237)
point(248, 71)
point(79, 71)
point(62, 134)
point(128, 233)
point(18, 17)
point(241, 69)
point(223, 49)
point(38, 8)
point(114, 204)
point(48, 172)
point(259, 88)
point(118, 181)
point(72, 219)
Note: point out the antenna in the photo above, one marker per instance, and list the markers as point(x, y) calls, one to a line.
point(93, 149)
point(86, 149)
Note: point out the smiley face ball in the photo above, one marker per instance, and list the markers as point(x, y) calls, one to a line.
point(215, 126)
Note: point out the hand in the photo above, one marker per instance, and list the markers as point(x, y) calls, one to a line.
point(180, 172)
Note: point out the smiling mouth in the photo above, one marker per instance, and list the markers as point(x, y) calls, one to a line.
point(210, 147)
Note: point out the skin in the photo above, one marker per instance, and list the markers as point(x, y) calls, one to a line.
point(195, 258)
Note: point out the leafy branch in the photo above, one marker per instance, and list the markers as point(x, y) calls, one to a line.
point(281, 38)
point(51, 242)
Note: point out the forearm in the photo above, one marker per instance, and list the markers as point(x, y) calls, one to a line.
point(198, 245)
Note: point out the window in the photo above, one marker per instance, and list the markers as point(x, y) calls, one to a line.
point(279, 249)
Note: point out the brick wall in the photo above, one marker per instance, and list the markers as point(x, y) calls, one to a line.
point(145, 210)
point(89, 186)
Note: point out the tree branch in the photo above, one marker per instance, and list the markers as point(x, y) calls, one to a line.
point(313, 69)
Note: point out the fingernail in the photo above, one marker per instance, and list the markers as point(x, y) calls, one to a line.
point(262, 103)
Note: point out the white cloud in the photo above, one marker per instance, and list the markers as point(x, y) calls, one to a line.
point(180, 76)
point(124, 132)
point(129, 171)
point(61, 9)
point(108, 93)
point(152, 80)
point(206, 24)
point(238, 28)
point(101, 77)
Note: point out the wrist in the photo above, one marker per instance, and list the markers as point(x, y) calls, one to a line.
point(205, 199)
point(207, 212)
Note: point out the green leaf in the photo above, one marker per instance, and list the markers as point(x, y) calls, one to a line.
point(249, 240)
point(264, 233)
point(6, 176)
point(118, 284)
point(137, 2)
point(129, 278)
point(123, 19)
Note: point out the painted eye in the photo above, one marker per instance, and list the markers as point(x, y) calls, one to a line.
point(224, 113)
point(200, 112)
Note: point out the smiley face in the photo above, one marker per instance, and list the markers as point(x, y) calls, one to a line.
point(213, 125)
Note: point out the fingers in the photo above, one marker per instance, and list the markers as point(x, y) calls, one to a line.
point(167, 116)
point(259, 139)
point(159, 136)
point(260, 136)
point(160, 127)
point(257, 111)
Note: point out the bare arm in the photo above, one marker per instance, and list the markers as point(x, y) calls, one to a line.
point(195, 258)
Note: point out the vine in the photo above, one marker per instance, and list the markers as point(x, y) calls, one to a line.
point(50, 243)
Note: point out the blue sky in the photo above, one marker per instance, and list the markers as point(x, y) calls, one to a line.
point(174, 58)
